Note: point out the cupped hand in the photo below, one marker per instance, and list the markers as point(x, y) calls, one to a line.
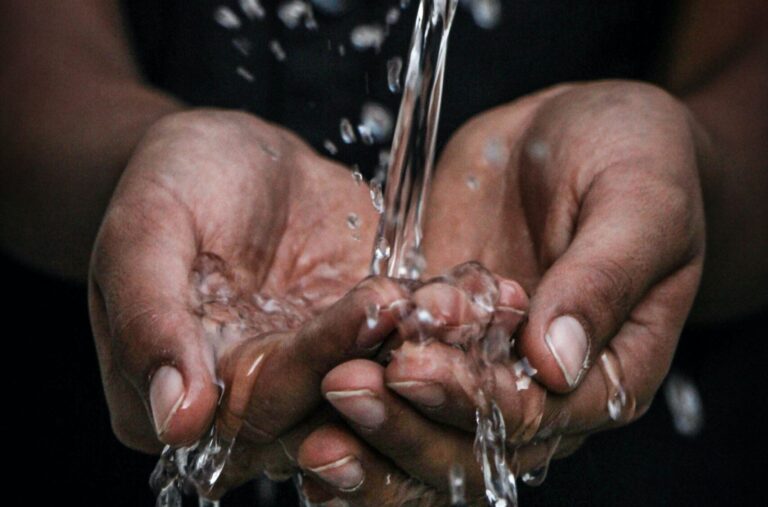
point(587, 195)
point(230, 256)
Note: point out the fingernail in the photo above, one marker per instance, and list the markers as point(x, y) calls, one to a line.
point(428, 394)
point(345, 474)
point(568, 343)
point(166, 392)
point(360, 406)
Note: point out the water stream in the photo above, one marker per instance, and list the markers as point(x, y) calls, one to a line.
point(398, 245)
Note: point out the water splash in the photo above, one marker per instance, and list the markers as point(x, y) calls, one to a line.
point(490, 448)
point(199, 465)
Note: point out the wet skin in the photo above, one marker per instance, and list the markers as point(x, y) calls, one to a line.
point(589, 200)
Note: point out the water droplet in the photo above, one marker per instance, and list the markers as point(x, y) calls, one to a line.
point(537, 151)
point(684, 402)
point(252, 8)
point(523, 366)
point(457, 484)
point(423, 316)
point(365, 37)
point(486, 13)
point(353, 221)
point(375, 122)
point(472, 182)
point(372, 315)
point(242, 45)
point(245, 74)
point(365, 134)
point(381, 254)
point(330, 147)
point(293, 12)
point(393, 16)
point(414, 264)
point(377, 196)
point(347, 131)
point(523, 373)
point(523, 383)
point(616, 403)
point(277, 50)
point(381, 167)
point(620, 405)
point(404, 4)
point(226, 18)
point(357, 176)
point(495, 152)
point(342, 50)
point(394, 68)
point(334, 7)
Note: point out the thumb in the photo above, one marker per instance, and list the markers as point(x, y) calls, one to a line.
point(622, 248)
point(157, 366)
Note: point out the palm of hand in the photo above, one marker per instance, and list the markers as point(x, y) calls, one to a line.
point(222, 227)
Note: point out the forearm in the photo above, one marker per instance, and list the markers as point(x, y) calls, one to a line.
point(718, 65)
point(732, 109)
point(74, 108)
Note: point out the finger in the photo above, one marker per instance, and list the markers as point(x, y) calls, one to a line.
point(127, 408)
point(460, 305)
point(274, 381)
point(356, 390)
point(615, 391)
point(415, 444)
point(629, 371)
point(630, 233)
point(442, 383)
point(430, 375)
point(146, 336)
point(348, 469)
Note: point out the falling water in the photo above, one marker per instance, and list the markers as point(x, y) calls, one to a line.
point(397, 247)
point(413, 147)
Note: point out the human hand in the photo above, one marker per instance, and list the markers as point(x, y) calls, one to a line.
point(588, 195)
point(225, 256)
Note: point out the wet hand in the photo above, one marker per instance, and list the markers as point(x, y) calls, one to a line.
point(227, 256)
point(587, 195)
